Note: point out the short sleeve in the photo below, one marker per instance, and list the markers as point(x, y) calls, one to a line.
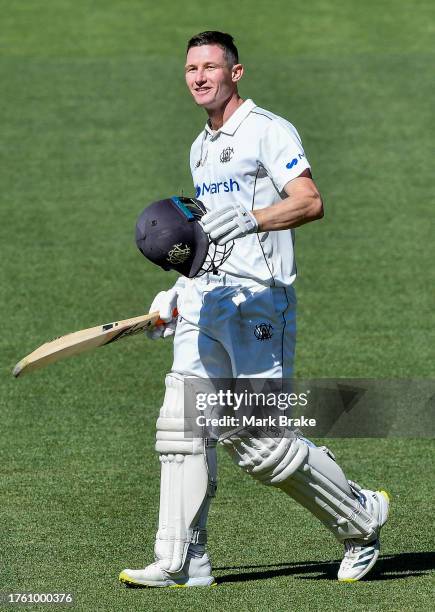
point(281, 153)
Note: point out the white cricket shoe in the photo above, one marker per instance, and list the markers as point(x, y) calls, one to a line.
point(196, 572)
point(360, 557)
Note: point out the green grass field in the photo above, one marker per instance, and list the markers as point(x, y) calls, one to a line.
point(95, 124)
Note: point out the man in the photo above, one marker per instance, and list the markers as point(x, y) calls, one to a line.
point(250, 171)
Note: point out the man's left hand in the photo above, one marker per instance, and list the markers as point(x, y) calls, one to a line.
point(229, 222)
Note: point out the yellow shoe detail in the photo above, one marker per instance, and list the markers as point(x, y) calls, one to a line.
point(348, 580)
point(385, 494)
point(123, 577)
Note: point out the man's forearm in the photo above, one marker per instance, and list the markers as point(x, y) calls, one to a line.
point(289, 213)
point(303, 204)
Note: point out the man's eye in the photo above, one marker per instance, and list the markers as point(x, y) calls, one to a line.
point(211, 68)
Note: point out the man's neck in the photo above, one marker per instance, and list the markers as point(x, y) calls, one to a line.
point(218, 116)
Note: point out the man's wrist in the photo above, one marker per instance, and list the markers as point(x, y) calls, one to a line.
point(257, 214)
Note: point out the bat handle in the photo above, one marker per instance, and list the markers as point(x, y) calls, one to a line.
point(161, 322)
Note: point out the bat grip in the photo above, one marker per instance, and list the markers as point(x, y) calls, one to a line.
point(160, 322)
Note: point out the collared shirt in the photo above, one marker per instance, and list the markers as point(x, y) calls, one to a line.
point(250, 159)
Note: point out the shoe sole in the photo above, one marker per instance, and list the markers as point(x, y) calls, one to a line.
point(383, 519)
point(124, 578)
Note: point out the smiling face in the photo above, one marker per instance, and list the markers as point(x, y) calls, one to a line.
point(211, 81)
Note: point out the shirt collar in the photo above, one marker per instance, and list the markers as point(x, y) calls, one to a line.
point(231, 125)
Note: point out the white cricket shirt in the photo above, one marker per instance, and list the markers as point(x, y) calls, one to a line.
point(249, 160)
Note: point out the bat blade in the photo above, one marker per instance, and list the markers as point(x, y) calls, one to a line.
point(84, 340)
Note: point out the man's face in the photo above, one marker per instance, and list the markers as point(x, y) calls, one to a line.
point(209, 78)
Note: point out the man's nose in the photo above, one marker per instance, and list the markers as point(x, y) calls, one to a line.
point(200, 76)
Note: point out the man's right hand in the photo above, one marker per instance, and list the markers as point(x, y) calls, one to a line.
point(165, 302)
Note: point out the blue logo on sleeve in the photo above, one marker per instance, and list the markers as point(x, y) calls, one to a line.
point(294, 161)
point(220, 187)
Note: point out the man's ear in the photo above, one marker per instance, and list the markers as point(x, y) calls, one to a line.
point(237, 72)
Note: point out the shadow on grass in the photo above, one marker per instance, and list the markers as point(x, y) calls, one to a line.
point(388, 567)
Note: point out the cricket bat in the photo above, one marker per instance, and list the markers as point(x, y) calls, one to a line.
point(85, 340)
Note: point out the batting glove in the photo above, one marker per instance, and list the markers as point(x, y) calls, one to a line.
point(229, 222)
point(164, 303)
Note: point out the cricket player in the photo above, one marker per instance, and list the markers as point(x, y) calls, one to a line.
point(250, 171)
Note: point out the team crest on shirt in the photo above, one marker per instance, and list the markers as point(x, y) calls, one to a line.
point(226, 155)
point(179, 253)
point(263, 331)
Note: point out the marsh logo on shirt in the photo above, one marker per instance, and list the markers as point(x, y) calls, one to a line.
point(227, 186)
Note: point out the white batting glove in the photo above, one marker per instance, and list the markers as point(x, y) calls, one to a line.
point(229, 222)
point(164, 303)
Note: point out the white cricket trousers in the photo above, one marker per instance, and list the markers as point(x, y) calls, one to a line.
point(235, 328)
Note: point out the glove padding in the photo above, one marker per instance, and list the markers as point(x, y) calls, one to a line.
point(229, 222)
point(164, 303)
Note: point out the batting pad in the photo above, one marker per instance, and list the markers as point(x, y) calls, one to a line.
point(311, 476)
point(188, 482)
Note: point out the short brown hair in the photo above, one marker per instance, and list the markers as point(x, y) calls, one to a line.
point(223, 40)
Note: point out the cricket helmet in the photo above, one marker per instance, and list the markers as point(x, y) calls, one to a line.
point(169, 234)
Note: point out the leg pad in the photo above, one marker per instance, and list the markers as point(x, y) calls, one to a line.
point(188, 482)
point(312, 477)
